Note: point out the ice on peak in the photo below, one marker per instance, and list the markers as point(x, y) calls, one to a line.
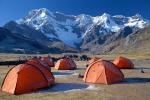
point(44, 9)
point(84, 20)
point(106, 15)
point(104, 18)
point(137, 16)
point(83, 16)
point(42, 12)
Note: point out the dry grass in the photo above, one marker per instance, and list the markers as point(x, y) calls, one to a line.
point(137, 87)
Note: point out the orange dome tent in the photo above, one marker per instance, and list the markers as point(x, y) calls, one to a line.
point(27, 77)
point(103, 72)
point(123, 63)
point(36, 61)
point(65, 64)
point(49, 61)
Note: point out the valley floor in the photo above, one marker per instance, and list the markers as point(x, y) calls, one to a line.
point(136, 85)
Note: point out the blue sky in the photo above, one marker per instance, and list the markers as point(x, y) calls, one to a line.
point(15, 9)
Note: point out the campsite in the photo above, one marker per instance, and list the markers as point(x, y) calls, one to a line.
point(69, 84)
point(74, 49)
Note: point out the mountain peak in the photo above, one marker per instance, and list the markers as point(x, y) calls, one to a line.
point(43, 12)
point(106, 15)
point(43, 9)
point(138, 16)
point(103, 19)
point(40, 12)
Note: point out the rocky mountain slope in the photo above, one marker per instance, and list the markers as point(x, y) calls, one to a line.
point(135, 43)
point(54, 45)
point(13, 42)
point(69, 33)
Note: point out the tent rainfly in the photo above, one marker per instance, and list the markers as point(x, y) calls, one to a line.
point(103, 72)
point(27, 77)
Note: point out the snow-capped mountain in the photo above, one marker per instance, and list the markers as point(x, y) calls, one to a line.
point(81, 31)
point(71, 29)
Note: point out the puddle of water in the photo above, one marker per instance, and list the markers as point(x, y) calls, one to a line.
point(137, 80)
point(64, 74)
point(92, 87)
point(65, 87)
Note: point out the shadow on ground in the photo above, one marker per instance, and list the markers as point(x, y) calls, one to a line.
point(136, 80)
point(63, 73)
point(142, 68)
point(64, 87)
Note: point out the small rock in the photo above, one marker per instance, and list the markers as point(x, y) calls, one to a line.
point(142, 71)
point(80, 76)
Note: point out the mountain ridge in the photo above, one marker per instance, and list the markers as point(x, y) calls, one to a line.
point(76, 33)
